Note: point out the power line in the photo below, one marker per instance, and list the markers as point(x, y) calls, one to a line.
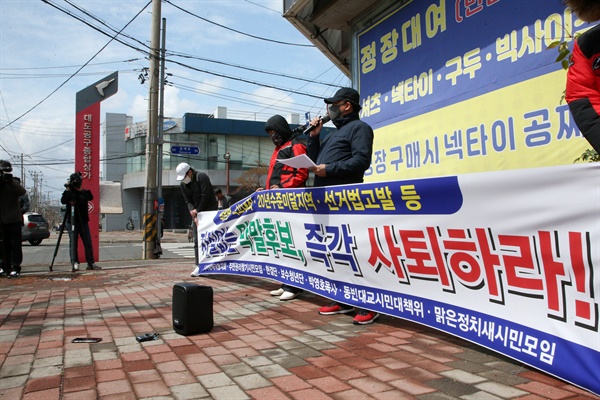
point(184, 55)
point(75, 73)
point(236, 31)
point(71, 66)
point(245, 80)
point(44, 76)
point(260, 5)
point(260, 71)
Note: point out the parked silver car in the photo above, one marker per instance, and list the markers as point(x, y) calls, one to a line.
point(35, 228)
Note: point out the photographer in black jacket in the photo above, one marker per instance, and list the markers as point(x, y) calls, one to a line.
point(76, 199)
point(11, 221)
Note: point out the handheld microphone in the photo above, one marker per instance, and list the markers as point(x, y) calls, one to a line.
point(324, 119)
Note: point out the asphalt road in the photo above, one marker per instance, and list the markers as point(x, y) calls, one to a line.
point(115, 248)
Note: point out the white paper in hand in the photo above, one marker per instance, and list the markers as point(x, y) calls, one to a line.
point(301, 161)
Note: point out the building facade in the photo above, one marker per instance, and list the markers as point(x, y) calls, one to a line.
point(244, 142)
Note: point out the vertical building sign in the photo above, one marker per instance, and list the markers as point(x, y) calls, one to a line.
point(87, 148)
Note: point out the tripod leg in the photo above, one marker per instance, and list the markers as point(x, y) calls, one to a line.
point(73, 238)
point(62, 228)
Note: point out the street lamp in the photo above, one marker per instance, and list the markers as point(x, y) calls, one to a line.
point(227, 156)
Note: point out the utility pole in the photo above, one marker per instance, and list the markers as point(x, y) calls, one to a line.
point(161, 118)
point(151, 138)
point(22, 171)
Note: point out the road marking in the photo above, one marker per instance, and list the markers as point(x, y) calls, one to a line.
point(186, 250)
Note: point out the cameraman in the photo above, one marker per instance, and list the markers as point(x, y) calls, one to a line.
point(11, 221)
point(76, 199)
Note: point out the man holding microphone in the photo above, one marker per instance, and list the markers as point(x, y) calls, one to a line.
point(342, 158)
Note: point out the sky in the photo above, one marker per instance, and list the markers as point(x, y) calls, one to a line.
point(239, 54)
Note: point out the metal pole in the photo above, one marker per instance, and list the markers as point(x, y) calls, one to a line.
point(161, 118)
point(151, 138)
point(227, 156)
point(22, 171)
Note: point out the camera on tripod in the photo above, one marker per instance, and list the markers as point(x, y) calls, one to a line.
point(74, 181)
point(5, 168)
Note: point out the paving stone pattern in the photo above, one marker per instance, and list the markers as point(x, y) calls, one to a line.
point(260, 348)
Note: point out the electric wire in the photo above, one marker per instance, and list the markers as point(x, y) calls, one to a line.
point(260, 71)
point(114, 37)
point(75, 73)
point(260, 5)
point(246, 80)
point(185, 65)
point(236, 31)
point(70, 66)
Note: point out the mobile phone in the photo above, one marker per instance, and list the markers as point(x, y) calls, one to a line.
point(86, 340)
point(146, 337)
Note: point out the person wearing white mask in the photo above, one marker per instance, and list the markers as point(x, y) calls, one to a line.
point(199, 196)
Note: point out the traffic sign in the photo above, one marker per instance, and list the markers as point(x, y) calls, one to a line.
point(185, 150)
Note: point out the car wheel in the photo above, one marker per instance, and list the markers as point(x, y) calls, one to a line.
point(35, 242)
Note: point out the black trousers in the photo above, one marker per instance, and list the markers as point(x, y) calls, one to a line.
point(82, 231)
point(11, 246)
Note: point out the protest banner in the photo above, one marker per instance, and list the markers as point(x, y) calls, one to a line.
point(505, 259)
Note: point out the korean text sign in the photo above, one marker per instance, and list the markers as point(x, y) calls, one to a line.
point(508, 259)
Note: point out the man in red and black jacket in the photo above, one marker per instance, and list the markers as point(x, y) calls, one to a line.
point(282, 176)
point(583, 78)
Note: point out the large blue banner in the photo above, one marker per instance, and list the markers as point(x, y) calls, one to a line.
point(429, 54)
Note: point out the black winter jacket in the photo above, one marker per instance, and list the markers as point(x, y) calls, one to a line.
point(80, 198)
point(199, 194)
point(346, 152)
point(10, 212)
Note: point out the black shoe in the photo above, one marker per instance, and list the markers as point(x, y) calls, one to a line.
point(93, 267)
point(14, 274)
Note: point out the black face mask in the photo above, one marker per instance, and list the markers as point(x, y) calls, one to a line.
point(333, 111)
point(277, 139)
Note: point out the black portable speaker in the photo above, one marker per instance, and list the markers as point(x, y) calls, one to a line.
point(192, 308)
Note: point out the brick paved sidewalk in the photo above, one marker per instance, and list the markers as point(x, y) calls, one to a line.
point(260, 348)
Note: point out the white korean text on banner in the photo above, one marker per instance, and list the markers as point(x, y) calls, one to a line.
point(507, 259)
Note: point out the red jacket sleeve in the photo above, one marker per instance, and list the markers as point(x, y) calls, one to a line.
point(583, 85)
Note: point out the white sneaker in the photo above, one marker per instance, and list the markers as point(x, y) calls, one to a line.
point(277, 292)
point(75, 267)
point(196, 272)
point(287, 296)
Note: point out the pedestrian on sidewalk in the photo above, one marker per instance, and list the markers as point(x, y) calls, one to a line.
point(342, 158)
point(281, 176)
point(223, 199)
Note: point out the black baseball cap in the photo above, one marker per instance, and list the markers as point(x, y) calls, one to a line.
point(345, 93)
